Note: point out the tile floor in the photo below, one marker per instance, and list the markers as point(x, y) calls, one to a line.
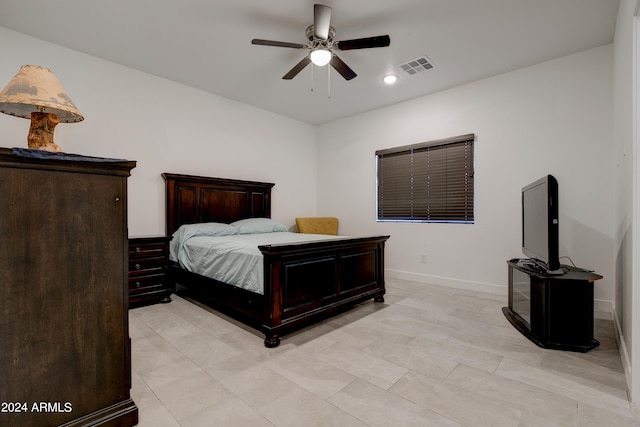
point(428, 356)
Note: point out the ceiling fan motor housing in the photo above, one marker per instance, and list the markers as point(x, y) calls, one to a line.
point(315, 41)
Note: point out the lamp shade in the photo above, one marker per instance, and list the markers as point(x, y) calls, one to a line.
point(36, 89)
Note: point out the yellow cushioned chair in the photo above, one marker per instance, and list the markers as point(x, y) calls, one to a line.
point(318, 225)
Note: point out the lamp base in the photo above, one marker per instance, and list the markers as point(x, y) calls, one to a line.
point(41, 131)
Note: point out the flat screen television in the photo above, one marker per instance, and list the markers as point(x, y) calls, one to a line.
point(540, 223)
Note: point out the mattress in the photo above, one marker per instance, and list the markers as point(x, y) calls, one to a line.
point(232, 259)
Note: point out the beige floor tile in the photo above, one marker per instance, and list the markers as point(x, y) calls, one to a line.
point(353, 336)
point(311, 373)
point(204, 349)
point(529, 400)
point(363, 365)
point(425, 307)
point(138, 329)
point(413, 323)
point(381, 408)
point(156, 416)
point(584, 371)
point(152, 352)
point(386, 332)
point(151, 312)
point(613, 400)
point(309, 335)
point(184, 392)
point(515, 347)
point(414, 358)
point(226, 411)
point(151, 411)
point(460, 352)
point(172, 327)
point(366, 311)
point(206, 318)
point(245, 340)
point(302, 408)
point(315, 345)
point(589, 416)
point(232, 365)
point(258, 386)
point(454, 402)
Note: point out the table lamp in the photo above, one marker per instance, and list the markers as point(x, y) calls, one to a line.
point(36, 93)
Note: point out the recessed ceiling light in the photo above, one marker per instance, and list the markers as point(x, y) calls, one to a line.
point(390, 79)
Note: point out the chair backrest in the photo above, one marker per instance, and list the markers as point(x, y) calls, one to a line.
point(318, 225)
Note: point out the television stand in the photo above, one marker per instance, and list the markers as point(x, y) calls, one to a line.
point(553, 311)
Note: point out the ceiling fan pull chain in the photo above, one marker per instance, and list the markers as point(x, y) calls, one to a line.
point(328, 82)
point(312, 79)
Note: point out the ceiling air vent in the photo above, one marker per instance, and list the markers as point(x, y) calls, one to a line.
point(417, 65)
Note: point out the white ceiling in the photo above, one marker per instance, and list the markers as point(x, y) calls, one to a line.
point(207, 43)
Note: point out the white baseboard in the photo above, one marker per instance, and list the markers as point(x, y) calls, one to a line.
point(447, 281)
point(624, 353)
point(491, 288)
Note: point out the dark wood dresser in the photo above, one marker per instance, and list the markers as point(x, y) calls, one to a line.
point(65, 352)
point(148, 261)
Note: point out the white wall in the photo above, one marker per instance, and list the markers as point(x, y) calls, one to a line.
point(166, 127)
point(626, 152)
point(552, 118)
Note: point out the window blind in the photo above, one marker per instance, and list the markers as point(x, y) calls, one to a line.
point(430, 182)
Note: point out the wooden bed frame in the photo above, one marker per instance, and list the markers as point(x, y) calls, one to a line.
point(303, 282)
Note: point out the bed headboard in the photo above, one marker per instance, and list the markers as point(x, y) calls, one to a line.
point(195, 199)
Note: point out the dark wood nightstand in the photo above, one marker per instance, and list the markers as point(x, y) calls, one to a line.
point(148, 260)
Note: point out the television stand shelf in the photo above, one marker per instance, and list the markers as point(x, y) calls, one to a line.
point(553, 311)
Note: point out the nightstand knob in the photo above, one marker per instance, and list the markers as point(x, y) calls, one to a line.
point(137, 284)
point(137, 248)
point(137, 266)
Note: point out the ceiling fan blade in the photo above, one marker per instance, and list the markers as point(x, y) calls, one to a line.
point(364, 43)
point(297, 68)
point(342, 68)
point(278, 44)
point(321, 21)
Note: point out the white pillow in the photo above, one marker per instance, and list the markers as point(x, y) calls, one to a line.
point(187, 231)
point(208, 229)
point(258, 225)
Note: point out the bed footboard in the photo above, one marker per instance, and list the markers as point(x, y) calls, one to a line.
point(309, 281)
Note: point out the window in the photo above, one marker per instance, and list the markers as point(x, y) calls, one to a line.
point(427, 182)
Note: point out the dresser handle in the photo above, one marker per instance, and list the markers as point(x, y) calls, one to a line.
point(137, 284)
point(137, 248)
point(137, 266)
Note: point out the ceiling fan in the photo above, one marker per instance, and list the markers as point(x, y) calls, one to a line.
point(321, 44)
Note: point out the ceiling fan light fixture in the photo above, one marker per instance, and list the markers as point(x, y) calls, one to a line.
point(320, 56)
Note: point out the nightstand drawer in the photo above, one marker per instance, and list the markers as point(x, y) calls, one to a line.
point(146, 266)
point(146, 283)
point(146, 250)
